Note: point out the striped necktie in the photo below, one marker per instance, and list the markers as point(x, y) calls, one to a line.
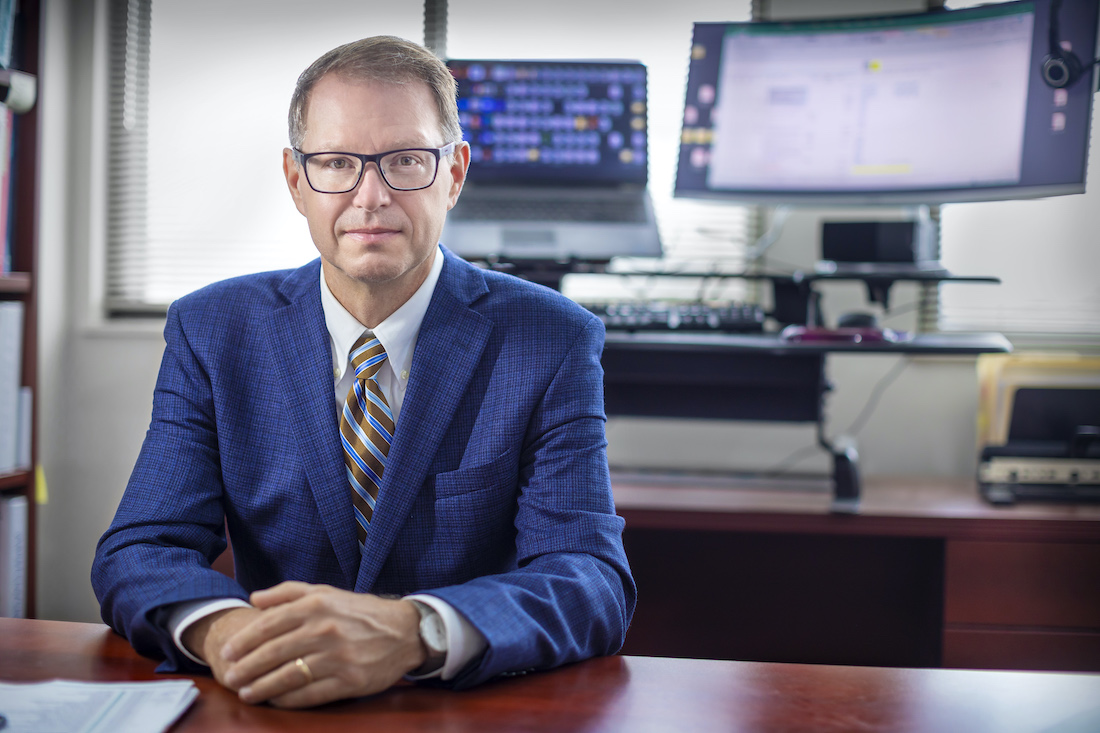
point(366, 430)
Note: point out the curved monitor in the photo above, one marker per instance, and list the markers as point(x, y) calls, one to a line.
point(912, 109)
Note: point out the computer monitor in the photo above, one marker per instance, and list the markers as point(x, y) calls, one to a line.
point(558, 122)
point(907, 109)
point(559, 160)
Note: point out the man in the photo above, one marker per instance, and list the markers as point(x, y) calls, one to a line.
point(408, 452)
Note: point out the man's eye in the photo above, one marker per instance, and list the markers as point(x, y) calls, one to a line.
point(338, 164)
point(406, 161)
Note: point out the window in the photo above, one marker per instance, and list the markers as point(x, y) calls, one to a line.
point(184, 86)
point(1044, 251)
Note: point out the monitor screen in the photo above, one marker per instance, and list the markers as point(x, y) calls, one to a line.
point(553, 122)
point(911, 109)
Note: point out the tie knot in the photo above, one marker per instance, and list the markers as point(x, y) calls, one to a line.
point(367, 356)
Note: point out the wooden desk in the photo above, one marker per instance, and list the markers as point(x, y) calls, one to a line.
point(635, 694)
point(926, 575)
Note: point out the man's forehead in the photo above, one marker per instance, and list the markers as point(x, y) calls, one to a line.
point(397, 115)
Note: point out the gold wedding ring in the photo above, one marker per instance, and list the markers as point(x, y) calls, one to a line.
point(301, 664)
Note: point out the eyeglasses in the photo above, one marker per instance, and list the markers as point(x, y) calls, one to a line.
point(409, 169)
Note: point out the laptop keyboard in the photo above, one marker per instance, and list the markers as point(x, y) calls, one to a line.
point(562, 210)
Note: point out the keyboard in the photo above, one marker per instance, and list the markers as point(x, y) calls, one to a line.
point(669, 316)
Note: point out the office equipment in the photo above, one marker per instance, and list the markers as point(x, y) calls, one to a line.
point(930, 108)
point(730, 317)
point(857, 319)
point(870, 246)
point(559, 161)
point(1039, 428)
point(608, 694)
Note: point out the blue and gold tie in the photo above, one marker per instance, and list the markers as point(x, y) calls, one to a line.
point(366, 430)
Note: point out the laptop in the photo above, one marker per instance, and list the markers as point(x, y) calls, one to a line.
point(559, 161)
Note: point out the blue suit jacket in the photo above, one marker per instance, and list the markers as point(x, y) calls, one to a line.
point(496, 496)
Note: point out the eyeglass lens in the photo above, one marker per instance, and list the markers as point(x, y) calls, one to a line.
point(402, 169)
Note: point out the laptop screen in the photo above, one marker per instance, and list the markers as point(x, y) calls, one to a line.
point(554, 122)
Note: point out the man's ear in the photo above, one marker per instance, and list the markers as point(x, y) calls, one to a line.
point(458, 168)
point(294, 179)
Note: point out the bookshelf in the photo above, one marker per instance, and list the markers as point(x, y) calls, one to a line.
point(19, 283)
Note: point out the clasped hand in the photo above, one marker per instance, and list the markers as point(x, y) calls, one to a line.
point(352, 644)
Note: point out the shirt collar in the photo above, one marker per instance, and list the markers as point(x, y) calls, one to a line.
point(397, 333)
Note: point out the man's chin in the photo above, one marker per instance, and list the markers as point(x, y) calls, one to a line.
point(378, 269)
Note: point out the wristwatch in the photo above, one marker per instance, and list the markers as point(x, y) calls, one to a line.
point(434, 635)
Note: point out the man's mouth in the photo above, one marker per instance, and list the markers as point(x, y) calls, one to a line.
point(371, 235)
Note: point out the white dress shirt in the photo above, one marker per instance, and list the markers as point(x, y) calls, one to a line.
point(398, 337)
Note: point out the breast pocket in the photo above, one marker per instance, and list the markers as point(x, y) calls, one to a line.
point(498, 475)
point(473, 514)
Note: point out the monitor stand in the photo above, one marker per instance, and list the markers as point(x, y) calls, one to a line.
point(544, 272)
point(846, 482)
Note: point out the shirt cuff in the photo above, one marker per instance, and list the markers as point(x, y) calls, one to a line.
point(464, 642)
point(187, 613)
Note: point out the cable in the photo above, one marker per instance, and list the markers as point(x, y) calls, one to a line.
point(769, 237)
point(885, 381)
point(792, 460)
point(800, 454)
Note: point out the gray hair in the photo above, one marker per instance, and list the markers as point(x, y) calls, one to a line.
point(386, 59)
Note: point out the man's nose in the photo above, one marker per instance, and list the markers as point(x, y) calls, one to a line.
point(373, 191)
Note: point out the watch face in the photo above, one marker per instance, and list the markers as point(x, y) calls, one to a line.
point(432, 632)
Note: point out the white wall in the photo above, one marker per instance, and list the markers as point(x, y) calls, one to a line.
point(97, 379)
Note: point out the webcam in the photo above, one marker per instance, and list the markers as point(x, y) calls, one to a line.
point(1061, 67)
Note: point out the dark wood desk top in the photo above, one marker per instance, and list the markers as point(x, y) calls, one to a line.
point(913, 507)
point(636, 694)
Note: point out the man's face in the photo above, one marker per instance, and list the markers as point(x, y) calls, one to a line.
point(372, 234)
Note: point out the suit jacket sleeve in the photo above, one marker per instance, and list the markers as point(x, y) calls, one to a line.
point(571, 595)
point(169, 526)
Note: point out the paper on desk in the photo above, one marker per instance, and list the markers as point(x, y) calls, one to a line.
point(65, 706)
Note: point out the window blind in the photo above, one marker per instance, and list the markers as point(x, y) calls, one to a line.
point(1046, 253)
point(128, 141)
point(197, 127)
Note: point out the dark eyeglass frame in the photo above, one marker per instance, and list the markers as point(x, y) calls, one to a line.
point(301, 158)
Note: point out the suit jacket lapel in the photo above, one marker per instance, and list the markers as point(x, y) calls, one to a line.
point(448, 350)
point(302, 371)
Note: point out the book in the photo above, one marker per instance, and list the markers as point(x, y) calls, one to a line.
point(6, 140)
point(11, 362)
point(7, 31)
point(7, 35)
point(24, 430)
point(13, 556)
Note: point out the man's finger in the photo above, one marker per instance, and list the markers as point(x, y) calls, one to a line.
point(271, 656)
point(270, 624)
point(327, 690)
point(284, 592)
point(289, 677)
